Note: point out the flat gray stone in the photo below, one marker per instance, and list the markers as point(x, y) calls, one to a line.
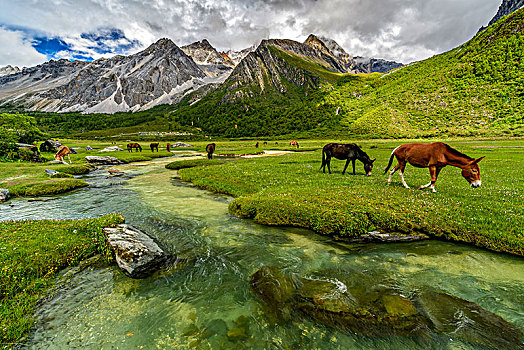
point(137, 255)
point(108, 160)
point(111, 149)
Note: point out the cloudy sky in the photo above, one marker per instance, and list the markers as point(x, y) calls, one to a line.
point(33, 31)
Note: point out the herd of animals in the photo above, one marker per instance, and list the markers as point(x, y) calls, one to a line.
point(433, 156)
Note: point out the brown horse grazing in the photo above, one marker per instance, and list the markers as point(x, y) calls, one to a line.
point(210, 149)
point(348, 151)
point(135, 145)
point(153, 146)
point(62, 152)
point(293, 143)
point(265, 143)
point(434, 156)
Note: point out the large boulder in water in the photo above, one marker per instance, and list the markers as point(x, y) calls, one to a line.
point(108, 160)
point(277, 290)
point(136, 254)
point(329, 302)
point(467, 321)
point(376, 310)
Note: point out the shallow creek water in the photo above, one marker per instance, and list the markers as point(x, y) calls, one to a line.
point(100, 308)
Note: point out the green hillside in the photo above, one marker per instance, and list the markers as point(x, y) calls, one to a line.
point(475, 89)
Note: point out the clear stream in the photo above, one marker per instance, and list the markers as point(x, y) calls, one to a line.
point(100, 308)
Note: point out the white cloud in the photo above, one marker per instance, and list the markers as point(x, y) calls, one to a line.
point(402, 30)
point(17, 51)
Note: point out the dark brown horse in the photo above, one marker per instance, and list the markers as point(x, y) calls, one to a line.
point(293, 143)
point(210, 149)
point(153, 146)
point(434, 156)
point(134, 145)
point(350, 152)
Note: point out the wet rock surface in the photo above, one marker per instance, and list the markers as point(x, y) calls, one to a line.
point(4, 194)
point(136, 254)
point(107, 160)
point(378, 237)
point(467, 321)
point(378, 311)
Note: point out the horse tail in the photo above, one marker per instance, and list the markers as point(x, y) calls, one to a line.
point(390, 161)
point(323, 158)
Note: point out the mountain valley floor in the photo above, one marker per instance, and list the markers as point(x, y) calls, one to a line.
point(286, 190)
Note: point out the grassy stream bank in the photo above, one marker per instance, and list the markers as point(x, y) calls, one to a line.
point(291, 190)
point(31, 258)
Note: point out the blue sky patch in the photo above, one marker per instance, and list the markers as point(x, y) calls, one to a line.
point(87, 48)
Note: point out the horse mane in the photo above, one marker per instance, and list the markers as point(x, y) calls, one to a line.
point(362, 154)
point(455, 152)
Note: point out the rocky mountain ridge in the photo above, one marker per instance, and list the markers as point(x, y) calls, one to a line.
point(8, 70)
point(213, 63)
point(163, 73)
point(507, 7)
point(264, 67)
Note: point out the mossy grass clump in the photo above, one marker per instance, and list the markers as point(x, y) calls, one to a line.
point(76, 169)
point(36, 187)
point(33, 251)
point(190, 163)
point(61, 176)
point(290, 190)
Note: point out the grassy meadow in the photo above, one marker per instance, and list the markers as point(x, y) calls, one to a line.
point(291, 190)
point(26, 179)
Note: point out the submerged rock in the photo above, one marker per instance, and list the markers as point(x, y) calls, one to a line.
point(376, 310)
point(277, 290)
point(108, 160)
point(136, 254)
point(4, 194)
point(467, 321)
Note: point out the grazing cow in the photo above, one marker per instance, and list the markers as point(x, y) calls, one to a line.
point(168, 147)
point(153, 146)
point(350, 152)
point(293, 143)
point(434, 156)
point(210, 149)
point(257, 144)
point(134, 145)
point(62, 152)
